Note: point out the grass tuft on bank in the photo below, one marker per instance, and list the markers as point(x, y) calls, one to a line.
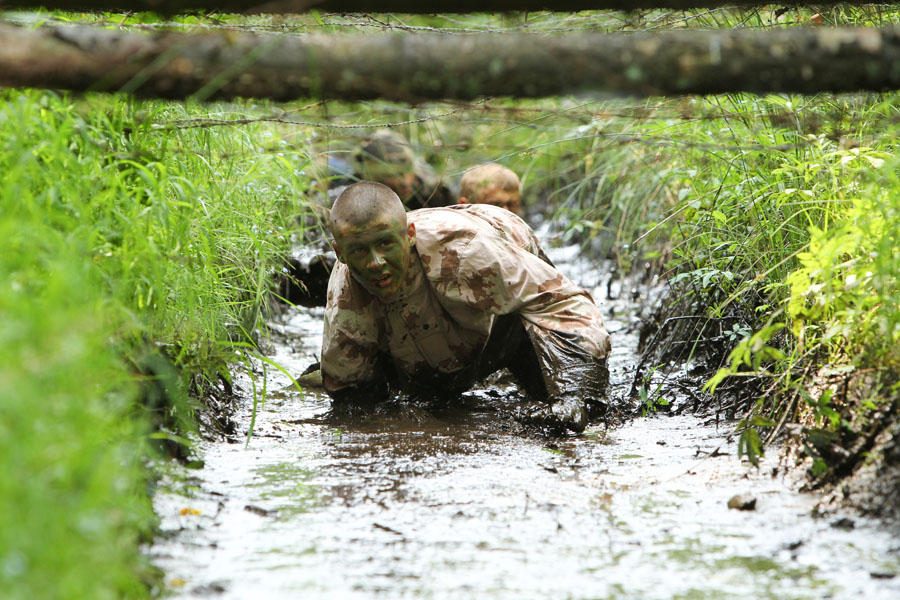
point(775, 221)
point(134, 267)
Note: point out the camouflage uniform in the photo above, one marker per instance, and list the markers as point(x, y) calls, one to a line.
point(479, 287)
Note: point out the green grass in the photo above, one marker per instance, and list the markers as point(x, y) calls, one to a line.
point(131, 254)
point(73, 500)
point(775, 219)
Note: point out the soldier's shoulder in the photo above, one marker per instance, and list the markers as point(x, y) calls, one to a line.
point(499, 217)
point(445, 224)
point(442, 233)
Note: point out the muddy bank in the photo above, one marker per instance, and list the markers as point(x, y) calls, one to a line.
point(836, 423)
point(461, 501)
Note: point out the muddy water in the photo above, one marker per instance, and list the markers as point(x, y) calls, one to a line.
point(461, 502)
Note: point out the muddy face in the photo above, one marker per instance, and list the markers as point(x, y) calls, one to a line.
point(378, 254)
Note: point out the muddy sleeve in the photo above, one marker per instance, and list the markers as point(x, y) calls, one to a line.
point(350, 337)
point(562, 321)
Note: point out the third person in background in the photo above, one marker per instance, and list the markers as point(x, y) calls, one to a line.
point(491, 183)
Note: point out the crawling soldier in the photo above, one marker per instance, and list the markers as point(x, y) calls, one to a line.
point(432, 300)
point(490, 183)
point(386, 157)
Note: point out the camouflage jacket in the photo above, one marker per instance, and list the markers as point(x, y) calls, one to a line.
point(471, 263)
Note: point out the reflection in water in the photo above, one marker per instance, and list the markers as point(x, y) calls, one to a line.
point(284, 489)
point(418, 500)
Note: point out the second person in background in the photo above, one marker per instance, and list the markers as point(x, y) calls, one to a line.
point(386, 157)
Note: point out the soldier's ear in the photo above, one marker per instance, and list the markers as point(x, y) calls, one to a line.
point(337, 251)
point(411, 233)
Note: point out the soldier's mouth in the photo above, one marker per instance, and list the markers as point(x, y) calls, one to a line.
point(383, 282)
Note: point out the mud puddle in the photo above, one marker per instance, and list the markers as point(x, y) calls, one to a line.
point(461, 502)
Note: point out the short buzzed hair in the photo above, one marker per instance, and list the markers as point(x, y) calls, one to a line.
point(480, 178)
point(364, 202)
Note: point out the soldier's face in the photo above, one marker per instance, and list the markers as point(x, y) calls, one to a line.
point(403, 185)
point(378, 255)
point(511, 201)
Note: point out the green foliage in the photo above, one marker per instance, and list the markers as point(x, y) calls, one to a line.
point(750, 357)
point(778, 213)
point(136, 263)
point(840, 299)
point(843, 296)
point(750, 444)
point(72, 491)
point(815, 252)
point(651, 400)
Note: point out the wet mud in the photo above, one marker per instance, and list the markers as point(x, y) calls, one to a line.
point(461, 501)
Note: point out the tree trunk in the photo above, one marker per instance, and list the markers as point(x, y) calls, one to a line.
point(413, 68)
point(399, 6)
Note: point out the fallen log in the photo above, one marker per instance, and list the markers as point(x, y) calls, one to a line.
point(170, 7)
point(412, 68)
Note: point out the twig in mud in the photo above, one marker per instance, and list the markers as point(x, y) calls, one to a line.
point(687, 390)
point(386, 528)
point(258, 510)
point(717, 451)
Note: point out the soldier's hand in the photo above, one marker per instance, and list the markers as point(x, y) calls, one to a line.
point(560, 415)
point(570, 413)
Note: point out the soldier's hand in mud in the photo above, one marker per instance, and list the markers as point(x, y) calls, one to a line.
point(570, 412)
point(359, 399)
